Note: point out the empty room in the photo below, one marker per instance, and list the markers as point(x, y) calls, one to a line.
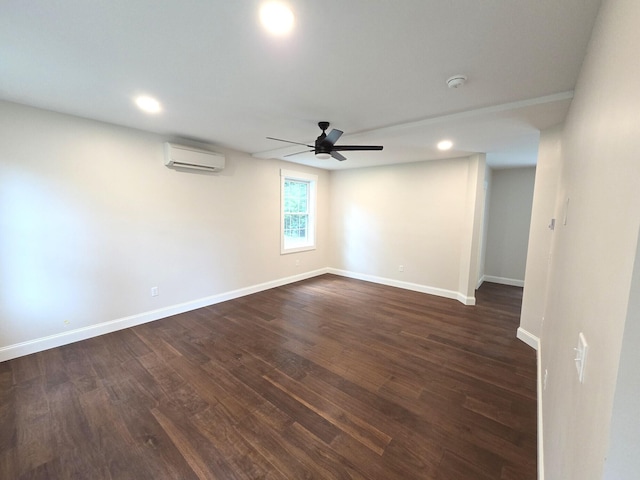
point(321, 240)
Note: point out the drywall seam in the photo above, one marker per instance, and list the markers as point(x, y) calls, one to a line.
point(37, 345)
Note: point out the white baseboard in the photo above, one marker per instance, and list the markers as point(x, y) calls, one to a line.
point(64, 338)
point(534, 342)
point(528, 338)
point(480, 282)
point(416, 287)
point(465, 300)
point(504, 281)
point(39, 344)
point(540, 417)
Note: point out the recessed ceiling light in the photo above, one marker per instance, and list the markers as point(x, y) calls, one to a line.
point(445, 145)
point(276, 17)
point(148, 104)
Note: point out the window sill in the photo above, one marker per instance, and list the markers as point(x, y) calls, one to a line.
point(304, 248)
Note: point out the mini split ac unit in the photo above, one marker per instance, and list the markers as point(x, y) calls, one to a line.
point(183, 157)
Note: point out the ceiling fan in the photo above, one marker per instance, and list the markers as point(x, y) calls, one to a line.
point(325, 146)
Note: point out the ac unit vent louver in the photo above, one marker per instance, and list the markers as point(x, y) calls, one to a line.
point(184, 157)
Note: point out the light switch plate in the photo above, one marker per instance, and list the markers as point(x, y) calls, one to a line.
point(581, 356)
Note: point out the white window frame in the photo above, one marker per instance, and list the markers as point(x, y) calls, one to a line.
point(312, 180)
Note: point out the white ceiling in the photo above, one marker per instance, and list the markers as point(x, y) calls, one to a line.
point(375, 69)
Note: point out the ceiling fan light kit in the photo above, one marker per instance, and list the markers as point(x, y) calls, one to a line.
point(325, 145)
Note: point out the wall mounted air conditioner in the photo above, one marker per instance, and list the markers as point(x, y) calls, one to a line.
point(181, 156)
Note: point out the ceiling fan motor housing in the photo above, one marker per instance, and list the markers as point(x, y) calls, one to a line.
point(321, 147)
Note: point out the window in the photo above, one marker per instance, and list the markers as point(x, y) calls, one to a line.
point(298, 217)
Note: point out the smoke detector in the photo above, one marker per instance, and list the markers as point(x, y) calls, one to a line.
point(456, 81)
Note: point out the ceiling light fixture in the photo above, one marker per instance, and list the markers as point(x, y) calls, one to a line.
point(276, 17)
point(445, 145)
point(323, 156)
point(148, 104)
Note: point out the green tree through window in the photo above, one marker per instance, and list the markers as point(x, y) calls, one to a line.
point(296, 209)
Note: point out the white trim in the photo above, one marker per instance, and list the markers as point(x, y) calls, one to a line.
point(312, 181)
point(294, 174)
point(480, 282)
point(540, 417)
point(514, 282)
point(416, 287)
point(33, 346)
point(528, 338)
point(57, 340)
point(466, 300)
point(534, 342)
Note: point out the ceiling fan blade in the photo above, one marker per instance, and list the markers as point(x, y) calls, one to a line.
point(298, 153)
point(337, 156)
point(357, 147)
point(289, 141)
point(331, 138)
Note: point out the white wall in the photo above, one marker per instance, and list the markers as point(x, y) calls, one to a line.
point(485, 225)
point(536, 278)
point(91, 219)
point(418, 215)
point(508, 225)
point(594, 253)
point(471, 253)
point(623, 461)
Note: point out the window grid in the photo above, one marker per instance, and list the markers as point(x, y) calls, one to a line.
point(296, 210)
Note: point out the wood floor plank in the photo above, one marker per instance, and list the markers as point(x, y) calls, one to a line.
point(358, 428)
point(453, 467)
point(190, 451)
point(275, 447)
point(328, 462)
point(78, 367)
point(237, 444)
point(161, 457)
point(328, 378)
point(291, 406)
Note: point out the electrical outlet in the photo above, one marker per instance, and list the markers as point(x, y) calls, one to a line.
point(297, 262)
point(401, 268)
point(154, 291)
point(544, 381)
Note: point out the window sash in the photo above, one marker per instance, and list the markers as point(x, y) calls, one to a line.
point(298, 202)
point(296, 226)
point(297, 229)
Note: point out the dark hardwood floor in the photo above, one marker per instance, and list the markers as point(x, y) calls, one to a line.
point(325, 378)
